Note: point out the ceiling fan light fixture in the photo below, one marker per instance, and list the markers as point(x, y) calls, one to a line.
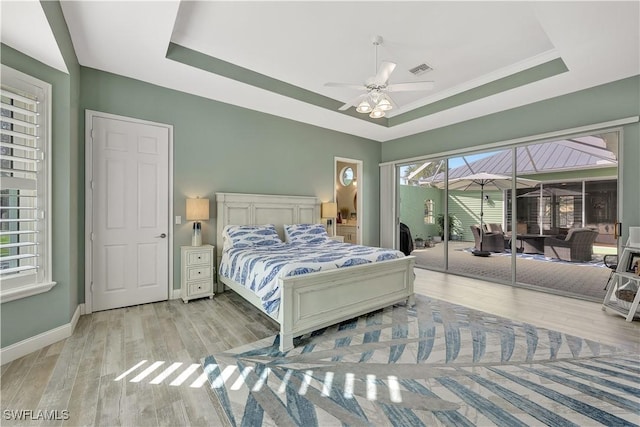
point(377, 113)
point(363, 107)
point(384, 104)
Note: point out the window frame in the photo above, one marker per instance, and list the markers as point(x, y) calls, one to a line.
point(22, 286)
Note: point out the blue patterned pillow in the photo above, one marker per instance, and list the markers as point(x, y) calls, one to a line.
point(244, 236)
point(305, 233)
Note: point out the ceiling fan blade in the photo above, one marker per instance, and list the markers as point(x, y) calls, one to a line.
point(354, 102)
point(347, 85)
point(408, 87)
point(386, 68)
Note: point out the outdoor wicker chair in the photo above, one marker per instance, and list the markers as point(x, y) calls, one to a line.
point(497, 229)
point(492, 242)
point(577, 246)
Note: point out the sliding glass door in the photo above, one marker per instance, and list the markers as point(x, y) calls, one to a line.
point(477, 237)
point(421, 204)
point(547, 226)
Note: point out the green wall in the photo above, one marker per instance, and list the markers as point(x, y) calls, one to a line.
point(465, 205)
point(223, 148)
point(612, 101)
point(412, 200)
point(573, 175)
point(27, 317)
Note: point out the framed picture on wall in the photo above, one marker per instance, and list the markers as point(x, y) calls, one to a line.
point(634, 263)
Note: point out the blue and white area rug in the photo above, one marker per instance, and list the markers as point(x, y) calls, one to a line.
point(433, 364)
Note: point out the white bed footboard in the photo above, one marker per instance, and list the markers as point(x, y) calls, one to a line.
point(313, 301)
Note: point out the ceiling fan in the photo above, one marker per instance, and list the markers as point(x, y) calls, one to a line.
point(376, 100)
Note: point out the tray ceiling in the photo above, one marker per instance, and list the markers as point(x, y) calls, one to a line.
point(276, 57)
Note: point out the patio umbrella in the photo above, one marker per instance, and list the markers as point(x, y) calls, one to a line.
point(485, 181)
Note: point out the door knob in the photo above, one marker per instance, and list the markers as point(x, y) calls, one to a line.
point(162, 236)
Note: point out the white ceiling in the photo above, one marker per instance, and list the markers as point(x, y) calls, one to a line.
point(38, 42)
point(309, 43)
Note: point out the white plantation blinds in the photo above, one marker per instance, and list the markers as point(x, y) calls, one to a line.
point(22, 186)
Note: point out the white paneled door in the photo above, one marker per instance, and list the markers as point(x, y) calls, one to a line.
point(130, 213)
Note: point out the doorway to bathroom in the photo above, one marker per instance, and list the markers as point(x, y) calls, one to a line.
point(348, 196)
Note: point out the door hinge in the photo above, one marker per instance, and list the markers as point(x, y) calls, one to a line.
point(93, 135)
point(92, 236)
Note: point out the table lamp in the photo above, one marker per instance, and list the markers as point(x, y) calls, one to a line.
point(197, 210)
point(329, 210)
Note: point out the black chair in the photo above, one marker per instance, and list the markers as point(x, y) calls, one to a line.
point(406, 241)
point(611, 261)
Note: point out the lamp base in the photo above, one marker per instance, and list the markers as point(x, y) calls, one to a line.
point(196, 239)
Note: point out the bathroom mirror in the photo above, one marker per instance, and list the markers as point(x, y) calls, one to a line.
point(346, 176)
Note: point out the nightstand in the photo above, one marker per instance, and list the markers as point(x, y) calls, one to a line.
point(197, 272)
point(337, 238)
point(348, 231)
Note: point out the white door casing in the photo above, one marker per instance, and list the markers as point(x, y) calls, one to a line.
point(389, 222)
point(129, 195)
point(360, 191)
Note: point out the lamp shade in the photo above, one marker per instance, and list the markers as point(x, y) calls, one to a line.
point(363, 107)
point(377, 113)
point(329, 210)
point(197, 209)
point(384, 105)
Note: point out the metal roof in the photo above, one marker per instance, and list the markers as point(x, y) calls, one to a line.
point(563, 155)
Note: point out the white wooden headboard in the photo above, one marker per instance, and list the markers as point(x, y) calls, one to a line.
point(257, 209)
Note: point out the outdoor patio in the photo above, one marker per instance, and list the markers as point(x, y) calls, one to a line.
point(582, 280)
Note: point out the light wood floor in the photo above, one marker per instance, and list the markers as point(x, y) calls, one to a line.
point(569, 315)
point(79, 374)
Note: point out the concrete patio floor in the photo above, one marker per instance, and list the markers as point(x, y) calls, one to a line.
point(579, 281)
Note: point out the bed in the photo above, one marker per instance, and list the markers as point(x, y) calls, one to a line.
point(314, 300)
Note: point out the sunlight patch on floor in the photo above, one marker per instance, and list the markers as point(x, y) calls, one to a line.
point(239, 379)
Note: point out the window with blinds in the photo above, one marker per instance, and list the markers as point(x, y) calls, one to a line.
point(23, 183)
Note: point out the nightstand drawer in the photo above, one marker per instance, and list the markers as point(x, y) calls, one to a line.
point(195, 273)
point(199, 257)
point(199, 287)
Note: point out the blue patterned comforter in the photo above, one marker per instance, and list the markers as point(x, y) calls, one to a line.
point(258, 268)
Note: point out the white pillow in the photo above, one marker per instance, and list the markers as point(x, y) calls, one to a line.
point(244, 236)
point(305, 233)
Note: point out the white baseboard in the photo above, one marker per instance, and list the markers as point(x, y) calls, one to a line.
point(175, 294)
point(24, 347)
